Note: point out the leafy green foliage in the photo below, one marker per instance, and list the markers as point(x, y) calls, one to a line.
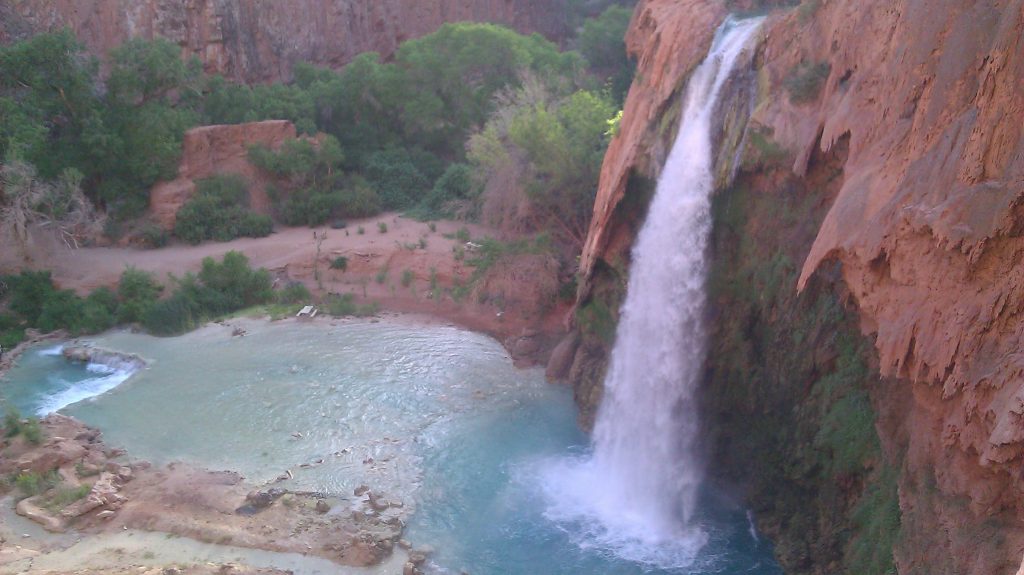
point(229, 103)
point(602, 43)
point(123, 139)
point(562, 141)
point(399, 183)
point(344, 305)
point(339, 263)
point(312, 188)
point(218, 289)
point(63, 496)
point(138, 291)
point(451, 191)
point(15, 425)
point(28, 292)
point(31, 483)
point(294, 292)
point(218, 211)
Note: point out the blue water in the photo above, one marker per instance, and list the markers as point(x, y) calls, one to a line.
point(455, 431)
point(482, 510)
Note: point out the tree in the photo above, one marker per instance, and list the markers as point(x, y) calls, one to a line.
point(602, 43)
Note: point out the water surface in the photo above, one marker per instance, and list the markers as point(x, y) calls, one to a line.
point(433, 415)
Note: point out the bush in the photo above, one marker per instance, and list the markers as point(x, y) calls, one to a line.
point(339, 263)
point(344, 305)
point(32, 431)
point(453, 187)
point(64, 496)
point(12, 422)
point(30, 483)
point(28, 292)
point(407, 278)
point(99, 311)
point(218, 289)
point(152, 236)
point(63, 309)
point(138, 291)
point(382, 227)
point(219, 211)
point(397, 180)
point(294, 292)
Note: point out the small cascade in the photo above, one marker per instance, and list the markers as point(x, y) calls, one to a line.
point(637, 492)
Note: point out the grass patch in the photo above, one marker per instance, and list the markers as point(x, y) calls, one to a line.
point(31, 483)
point(63, 496)
point(342, 305)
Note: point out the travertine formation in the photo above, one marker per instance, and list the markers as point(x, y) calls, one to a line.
point(260, 40)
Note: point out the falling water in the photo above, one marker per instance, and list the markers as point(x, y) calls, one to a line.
point(636, 494)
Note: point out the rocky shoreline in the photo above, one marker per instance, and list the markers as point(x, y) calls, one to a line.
point(76, 483)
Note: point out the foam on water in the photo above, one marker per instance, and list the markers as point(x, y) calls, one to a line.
point(636, 494)
point(68, 392)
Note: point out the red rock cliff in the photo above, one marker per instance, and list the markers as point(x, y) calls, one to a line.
point(927, 225)
point(260, 40)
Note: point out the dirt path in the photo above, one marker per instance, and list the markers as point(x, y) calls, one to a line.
point(399, 269)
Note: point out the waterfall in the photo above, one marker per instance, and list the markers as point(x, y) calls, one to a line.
point(636, 493)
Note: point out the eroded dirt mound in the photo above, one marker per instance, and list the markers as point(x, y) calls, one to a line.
point(213, 150)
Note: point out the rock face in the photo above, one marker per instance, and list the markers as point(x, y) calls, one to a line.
point(260, 40)
point(921, 234)
point(212, 150)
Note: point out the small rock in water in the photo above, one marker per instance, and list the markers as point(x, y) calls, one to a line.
point(409, 569)
point(322, 506)
point(360, 490)
point(405, 544)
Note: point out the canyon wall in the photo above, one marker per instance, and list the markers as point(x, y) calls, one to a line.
point(866, 266)
point(260, 40)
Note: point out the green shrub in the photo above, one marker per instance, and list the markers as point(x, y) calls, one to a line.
point(99, 311)
point(344, 305)
point(152, 236)
point(219, 211)
point(360, 230)
point(382, 227)
point(452, 188)
point(32, 431)
point(28, 292)
point(218, 289)
point(31, 483)
point(12, 422)
point(138, 291)
point(805, 81)
point(339, 263)
point(462, 234)
point(62, 310)
point(382, 275)
point(294, 292)
point(407, 278)
point(174, 315)
point(63, 496)
point(397, 180)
